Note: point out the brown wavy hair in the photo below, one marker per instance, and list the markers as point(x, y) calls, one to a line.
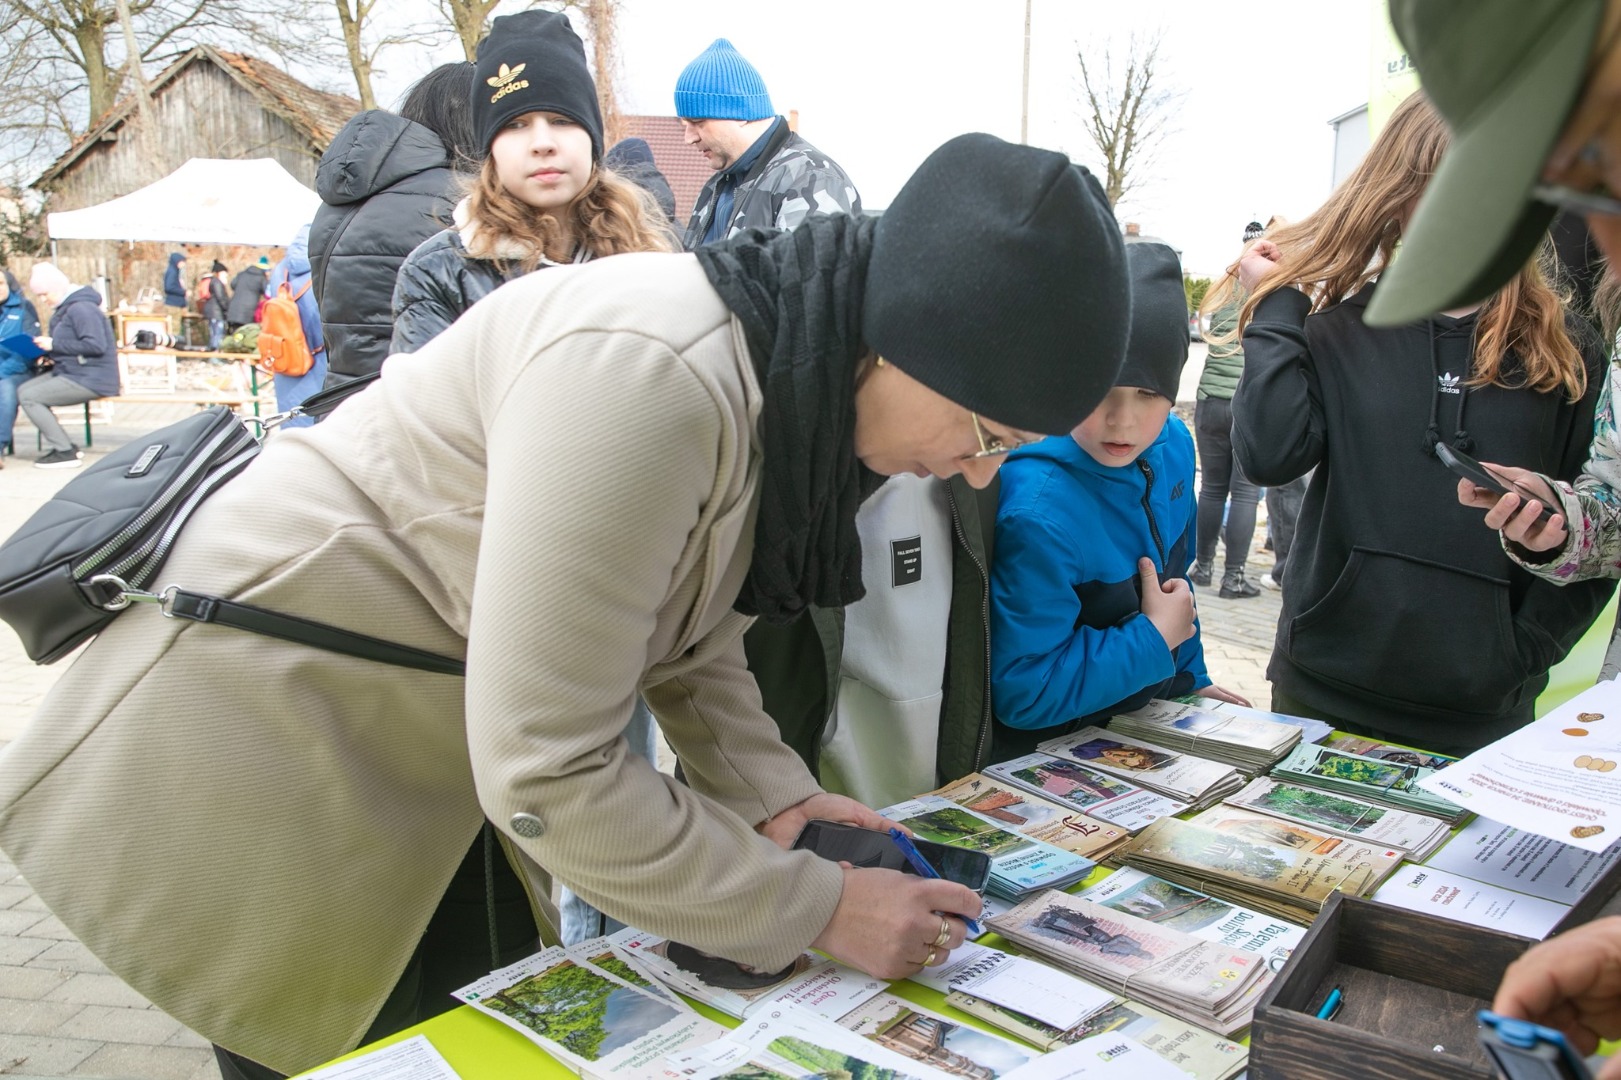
point(1335, 251)
point(610, 216)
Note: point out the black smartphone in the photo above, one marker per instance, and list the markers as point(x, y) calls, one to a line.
point(1473, 471)
point(867, 847)
point(1524, 1051)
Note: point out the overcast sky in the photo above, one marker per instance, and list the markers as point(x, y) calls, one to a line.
point(880, 83)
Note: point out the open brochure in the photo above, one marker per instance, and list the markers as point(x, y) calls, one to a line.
point(825, 987)
point(1557, 777)
point(1036, 817)
point(409, 1059)
point(1019, 863)
point(593, 1022)
point(1107, 798)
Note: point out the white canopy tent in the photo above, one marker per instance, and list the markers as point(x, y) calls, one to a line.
point(253, 202)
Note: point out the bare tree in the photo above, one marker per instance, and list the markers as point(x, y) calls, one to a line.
point(1127, 110)
point(364, 42)
point(467, 19)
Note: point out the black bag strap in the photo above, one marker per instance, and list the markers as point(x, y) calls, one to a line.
point(178, 603)
point(322, 402)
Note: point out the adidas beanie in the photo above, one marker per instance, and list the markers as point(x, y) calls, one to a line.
point(721, 85)
point(533, 61)
point(998, 280)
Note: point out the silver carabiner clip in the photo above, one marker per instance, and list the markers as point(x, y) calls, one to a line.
point(125, 595)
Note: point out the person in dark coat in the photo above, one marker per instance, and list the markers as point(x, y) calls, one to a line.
point(17, 316)
point(174, 286)
point(216, 300)
point(386, 183)
point(633, 159)
point(81, 356)
point(246, 291)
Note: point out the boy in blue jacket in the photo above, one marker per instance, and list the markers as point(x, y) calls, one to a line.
point(1092, 613)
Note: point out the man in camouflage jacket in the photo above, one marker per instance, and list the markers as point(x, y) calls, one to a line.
point(766, 176)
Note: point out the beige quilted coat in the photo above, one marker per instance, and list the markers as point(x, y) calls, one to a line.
point(562, 487)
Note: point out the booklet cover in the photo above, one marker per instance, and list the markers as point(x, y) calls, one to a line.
point(1199, 914)
point(1179, 775)
point(596, 1024)
point(1325, 811)
point(1035, 817)
point(1405, 787)
point(822, 986)
point(599, 953)
point(1461, 899)
point(934, 1040)
point(1107, 798)
point(1019, 863)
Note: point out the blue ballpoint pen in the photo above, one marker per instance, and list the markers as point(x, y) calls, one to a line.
point(1331, 1004)
point(921, 865)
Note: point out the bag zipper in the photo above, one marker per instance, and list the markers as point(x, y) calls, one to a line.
point(151, 556)
point(177, 488)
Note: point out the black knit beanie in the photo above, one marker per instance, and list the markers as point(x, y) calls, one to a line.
point(1158, 348)
point(998, 280)
point(531, 62)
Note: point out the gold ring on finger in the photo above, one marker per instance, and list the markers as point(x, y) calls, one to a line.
point(929, 960)
point(940, 939)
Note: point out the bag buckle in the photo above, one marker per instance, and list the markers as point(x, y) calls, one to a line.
point(120, 594)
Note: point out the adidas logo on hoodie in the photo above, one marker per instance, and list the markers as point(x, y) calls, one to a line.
point(1447, 383)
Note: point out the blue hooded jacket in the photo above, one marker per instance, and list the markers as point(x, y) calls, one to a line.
point(1068, 637)
point(174, 290)
point(17, 316)
point(294, 271)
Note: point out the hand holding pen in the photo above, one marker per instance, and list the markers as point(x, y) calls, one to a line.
point(924, 869)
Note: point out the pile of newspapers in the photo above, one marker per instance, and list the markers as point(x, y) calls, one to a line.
point(1247, 742)
point(1200, 981)
point(1188, 778)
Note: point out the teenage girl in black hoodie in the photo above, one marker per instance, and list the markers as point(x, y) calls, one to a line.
point(1404, 619)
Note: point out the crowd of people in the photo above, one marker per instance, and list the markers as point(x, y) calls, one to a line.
point(844, 507)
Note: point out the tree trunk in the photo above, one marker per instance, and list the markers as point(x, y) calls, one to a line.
point(352, 20)
point(467, 17)
point(101, 84)
point(603, 16)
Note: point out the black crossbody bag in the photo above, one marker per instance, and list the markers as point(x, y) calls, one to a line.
point(97, 546)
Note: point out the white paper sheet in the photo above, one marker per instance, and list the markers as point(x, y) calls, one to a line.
point(1502, 855)
point(410, 1059)
point(1461, 899)
point(1035, 989)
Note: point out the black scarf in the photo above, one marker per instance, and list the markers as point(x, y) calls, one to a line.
point(798, 296)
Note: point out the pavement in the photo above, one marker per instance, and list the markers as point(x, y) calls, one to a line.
point(63, 1014)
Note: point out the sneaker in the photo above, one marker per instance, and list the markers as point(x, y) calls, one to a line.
point(1270, 582)
point(1200, 574)
point(1237, 587)
point(59, 459)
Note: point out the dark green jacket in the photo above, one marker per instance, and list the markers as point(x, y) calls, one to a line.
point(797, 664)
point(1224, 363)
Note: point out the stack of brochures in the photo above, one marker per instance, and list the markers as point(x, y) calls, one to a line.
point(1340, 815)
point(1388, 783)
point(1201, 1054)
point(1036, 817)
point(1248, 743)
point(1193, 912)
point(1202, 982)
point(1186, 777)
point(1401, 755)
point(824, 986)
point(1096, 794)
point(1271, 875)
point(588, 1018)
point(1020, 864)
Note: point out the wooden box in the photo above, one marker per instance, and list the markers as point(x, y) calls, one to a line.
point(1411, 986)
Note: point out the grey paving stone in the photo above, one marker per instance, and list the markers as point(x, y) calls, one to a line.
point(67, 956)
point(44, 1055)
point(48, 927)
point(186, 1037)
point(29, 984)
point(147, 1027)
point(20, 950)
point(118, 1060)
point(14, 923)
point(13, 894)
point(31, 1018)
point(95, 989)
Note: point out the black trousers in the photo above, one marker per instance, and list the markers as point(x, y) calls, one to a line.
point(456, 949)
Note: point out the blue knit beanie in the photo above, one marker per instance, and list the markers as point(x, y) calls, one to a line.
point(721, 85)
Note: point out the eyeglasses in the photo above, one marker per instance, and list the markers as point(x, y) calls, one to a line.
point(990, 445)
point(1580, 202)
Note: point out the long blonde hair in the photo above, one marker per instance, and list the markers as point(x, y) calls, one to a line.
point(610, 216)
point(1335, 251)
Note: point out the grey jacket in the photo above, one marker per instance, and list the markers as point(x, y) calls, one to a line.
point(790, 181)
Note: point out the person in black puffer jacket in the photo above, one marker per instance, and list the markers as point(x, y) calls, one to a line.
point(386, 183)
point(247, 289)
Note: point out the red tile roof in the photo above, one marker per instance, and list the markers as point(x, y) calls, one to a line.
point(685, 168)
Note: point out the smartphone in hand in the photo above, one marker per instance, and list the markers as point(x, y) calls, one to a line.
point(1521, 1050)
point(1477, 474)
point(867, 847)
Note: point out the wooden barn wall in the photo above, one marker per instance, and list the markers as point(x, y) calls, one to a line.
point(202, 112)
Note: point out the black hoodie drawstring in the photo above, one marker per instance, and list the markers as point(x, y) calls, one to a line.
point(1432, 435)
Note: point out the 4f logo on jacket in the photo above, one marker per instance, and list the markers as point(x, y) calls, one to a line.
point(506, 81)
point(1176, 491)
point(1447, 383)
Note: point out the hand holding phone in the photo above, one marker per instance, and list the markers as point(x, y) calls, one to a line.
point(1468, 468)
point(1521, 1050)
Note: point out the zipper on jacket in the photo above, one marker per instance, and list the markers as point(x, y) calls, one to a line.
point(984, 621)
point(1148, 509)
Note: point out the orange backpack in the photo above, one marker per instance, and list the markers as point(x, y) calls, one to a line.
point(283, 349)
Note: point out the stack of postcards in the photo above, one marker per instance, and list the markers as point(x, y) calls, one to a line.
point(1020, 864)
point(1248, 743)
point(1420, 835)
point(1388, 783)
point(1175, 774)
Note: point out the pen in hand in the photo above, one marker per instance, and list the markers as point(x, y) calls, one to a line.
point(921, 865)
